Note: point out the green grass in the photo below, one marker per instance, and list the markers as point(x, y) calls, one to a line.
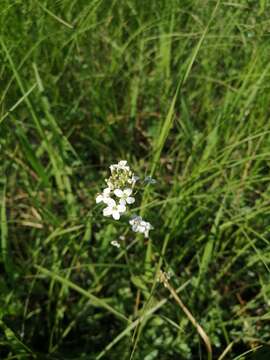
point(181, 90)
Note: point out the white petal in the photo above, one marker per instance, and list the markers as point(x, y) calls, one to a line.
point(115, 243)
point(107, 211)
point(128, 192)
point(150, 180)
point(122, 202)
point(135, 219)
point(116, 215)
point(141, 228)
point(110, 202)
point(122, 163)
point(99, 198)
point(121, 208)
point(146, 233)
point(133, 179)
point(135, 228)
point(118, 192)
point(130, 200)
point(107, 191)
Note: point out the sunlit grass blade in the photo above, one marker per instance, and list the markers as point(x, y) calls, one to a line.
point(18, 347)
point(5, 246)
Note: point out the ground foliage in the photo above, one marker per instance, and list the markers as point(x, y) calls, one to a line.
point(180, 89)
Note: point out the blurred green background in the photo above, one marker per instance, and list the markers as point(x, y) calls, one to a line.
point(180, 89)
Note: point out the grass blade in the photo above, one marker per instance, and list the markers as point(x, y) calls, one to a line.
point(95, 300)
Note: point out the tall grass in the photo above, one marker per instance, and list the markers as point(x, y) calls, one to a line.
point(180, 89)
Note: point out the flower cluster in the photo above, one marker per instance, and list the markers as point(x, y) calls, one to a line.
point(139, 225)
point(118, 195)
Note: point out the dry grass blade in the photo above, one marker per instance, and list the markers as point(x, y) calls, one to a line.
point(135, 323)
point(200, 330)
point(226, 351)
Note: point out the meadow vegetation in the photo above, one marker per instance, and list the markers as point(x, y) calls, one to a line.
point(179, 89)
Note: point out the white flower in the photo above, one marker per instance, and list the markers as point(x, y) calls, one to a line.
point(150, 180)
point(124, 196)
point(115, 243)
point(122, 165)
point(146, 227)
point(135, 222)
point(113, 209)
point(141, 226)
point(104, 197)
point(133, 179)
